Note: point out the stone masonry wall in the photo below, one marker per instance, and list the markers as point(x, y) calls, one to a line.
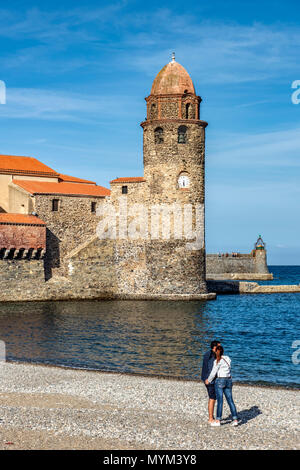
point(244, 263)
point(219, 265)
point(140, 267)
point(135, 195)
point(20, 278)
point(164, 162)
point(68, 227)
point(171, 264)
point(105, 269)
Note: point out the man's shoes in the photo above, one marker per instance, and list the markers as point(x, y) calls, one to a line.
point(235, 423)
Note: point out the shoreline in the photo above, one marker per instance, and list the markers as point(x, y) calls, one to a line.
point(100, 296)
point(48, 407)
point(157, 376)
point(220, 288)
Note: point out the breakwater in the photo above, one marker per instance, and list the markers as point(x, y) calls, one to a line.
point(239, 266)
point(240, 287)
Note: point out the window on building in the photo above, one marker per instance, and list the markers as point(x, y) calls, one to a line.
point(124, 189)
point(182, 135)
point(93, 206)
point(159, 135)
point(187, 109)
point(55, 204)
point(153, 111)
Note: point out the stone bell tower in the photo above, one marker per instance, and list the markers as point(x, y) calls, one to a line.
point(174, 147)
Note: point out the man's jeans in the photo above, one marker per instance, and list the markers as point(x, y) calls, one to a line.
point(224, 386)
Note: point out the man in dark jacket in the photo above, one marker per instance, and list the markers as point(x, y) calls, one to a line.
point(208, 362)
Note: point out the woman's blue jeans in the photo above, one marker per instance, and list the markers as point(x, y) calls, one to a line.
point(224, 386)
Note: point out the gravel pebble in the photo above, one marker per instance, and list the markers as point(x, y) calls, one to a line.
point(54, 408)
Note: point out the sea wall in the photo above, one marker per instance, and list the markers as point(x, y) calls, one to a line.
point(238, 266)
point(87, 278)
point(216, 264)
point(138, 267)
point(239, 287)
point(104, 269)
point(20, 279)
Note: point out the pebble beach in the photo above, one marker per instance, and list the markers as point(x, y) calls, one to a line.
point(45, 407)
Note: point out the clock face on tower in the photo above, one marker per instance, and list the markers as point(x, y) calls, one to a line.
point(183, 181)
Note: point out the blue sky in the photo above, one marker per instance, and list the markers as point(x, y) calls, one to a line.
point(77, 73)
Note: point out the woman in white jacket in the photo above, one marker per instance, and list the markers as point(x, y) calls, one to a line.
point(223, 384)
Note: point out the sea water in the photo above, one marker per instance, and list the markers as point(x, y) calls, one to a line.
point(258, 331)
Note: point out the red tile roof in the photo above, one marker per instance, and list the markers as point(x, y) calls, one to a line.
point(74, 179)
point(129, 179)
point(69, 189)
point(25, 166)
point(172, 79)
point(22, 219)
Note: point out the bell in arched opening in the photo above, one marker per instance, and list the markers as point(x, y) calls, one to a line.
point(159, 135)
point(182, 135)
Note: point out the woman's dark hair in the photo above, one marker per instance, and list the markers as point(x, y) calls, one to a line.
point(221, 350)
point(214, 344)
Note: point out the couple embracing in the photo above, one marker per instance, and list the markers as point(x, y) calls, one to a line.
point(216, 374)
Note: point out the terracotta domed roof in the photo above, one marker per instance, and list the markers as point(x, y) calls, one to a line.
point(172, 79)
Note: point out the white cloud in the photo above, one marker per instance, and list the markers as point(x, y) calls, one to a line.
point(31, 103)
point(56, 26)
point(265, 149)
point(213, 51)
point(51, 33)
point(216, 52)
